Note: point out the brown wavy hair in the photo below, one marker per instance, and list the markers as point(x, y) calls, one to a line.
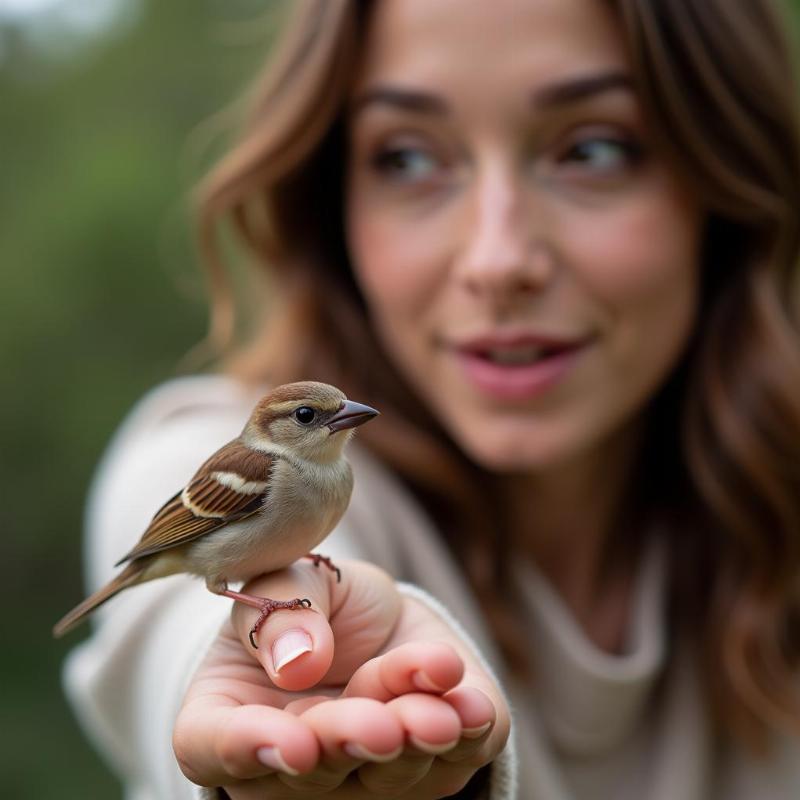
point(721, 462)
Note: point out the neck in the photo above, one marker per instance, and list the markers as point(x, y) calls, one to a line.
point(564, 519)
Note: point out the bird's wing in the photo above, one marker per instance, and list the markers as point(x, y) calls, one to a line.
point(231, 485)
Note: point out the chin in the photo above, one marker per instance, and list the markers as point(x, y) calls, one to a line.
point(512, 450)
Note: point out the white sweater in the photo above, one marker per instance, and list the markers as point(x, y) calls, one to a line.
point(593, 726)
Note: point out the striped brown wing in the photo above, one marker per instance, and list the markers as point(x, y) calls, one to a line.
point(211, 503)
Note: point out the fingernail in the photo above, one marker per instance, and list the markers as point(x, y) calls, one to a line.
point(288, 646)
point(271, 757)
point(430, 747)
point(423, 682)
point(476, 733)
point(358, 751)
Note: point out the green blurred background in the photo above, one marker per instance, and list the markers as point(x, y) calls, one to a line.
point(109, 114)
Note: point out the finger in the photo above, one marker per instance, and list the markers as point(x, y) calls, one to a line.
point(215, 741)
point(475, 710)
point(431, 724)
point(478, 716)
point(363, 610)
point(432, 727)
point(418, 621)
point(295, 647)
point(411, 667)
point(350, 731)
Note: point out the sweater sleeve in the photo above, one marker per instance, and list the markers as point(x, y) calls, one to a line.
point(126, 682)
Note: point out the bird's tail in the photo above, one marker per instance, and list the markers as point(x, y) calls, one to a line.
point(128, 577)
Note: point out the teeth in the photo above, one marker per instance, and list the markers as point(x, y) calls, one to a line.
point(520, 355)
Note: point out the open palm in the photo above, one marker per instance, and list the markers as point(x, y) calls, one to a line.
point(388, 701)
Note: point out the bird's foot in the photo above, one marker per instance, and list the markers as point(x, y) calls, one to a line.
point(266, 606)
point(318, 559)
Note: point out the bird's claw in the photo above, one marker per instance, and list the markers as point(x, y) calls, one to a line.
point(318, 559)
point(268, 606)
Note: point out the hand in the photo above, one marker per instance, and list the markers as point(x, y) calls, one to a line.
point(400, 708)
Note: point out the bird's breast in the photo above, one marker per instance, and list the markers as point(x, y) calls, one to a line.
point(303, 504)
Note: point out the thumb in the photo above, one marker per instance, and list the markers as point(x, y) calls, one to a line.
point(296, 646)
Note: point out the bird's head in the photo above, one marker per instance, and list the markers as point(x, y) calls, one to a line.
point(311, 420)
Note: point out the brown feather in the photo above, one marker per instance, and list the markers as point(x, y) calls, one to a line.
point(175, 524)
point(181, 526)
point(251, 465)
point(127, 577)
point(210, 495)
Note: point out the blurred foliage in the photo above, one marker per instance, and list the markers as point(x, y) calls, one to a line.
point(101, 142)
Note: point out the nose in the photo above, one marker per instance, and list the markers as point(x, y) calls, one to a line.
point(505, 253)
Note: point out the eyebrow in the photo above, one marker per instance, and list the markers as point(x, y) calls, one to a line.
point(404, 99)
point(571, 90)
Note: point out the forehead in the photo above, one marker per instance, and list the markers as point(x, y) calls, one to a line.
point(285, 399)
point(487, 47)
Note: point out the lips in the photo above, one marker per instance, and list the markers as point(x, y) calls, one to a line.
point(519, 349)
point(517, 366)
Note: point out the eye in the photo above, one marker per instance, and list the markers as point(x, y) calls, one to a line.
point(404, 163)
point(602, 154)
point(305, 415)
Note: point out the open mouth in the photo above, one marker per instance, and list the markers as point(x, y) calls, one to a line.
point(519, 356)
point(517, 370)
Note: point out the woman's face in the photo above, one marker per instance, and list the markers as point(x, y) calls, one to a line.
point(530, 263)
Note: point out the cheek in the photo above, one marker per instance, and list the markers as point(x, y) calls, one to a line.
point(641, 265)
point(394, 261)
point(642, 272)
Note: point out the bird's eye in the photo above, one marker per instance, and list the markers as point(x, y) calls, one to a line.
point(305, 415)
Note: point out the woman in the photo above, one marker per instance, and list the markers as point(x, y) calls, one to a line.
point(555, 242)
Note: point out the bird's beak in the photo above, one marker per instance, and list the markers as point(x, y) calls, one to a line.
point(350, 415)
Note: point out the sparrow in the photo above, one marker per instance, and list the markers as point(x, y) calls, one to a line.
point(259, 503)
